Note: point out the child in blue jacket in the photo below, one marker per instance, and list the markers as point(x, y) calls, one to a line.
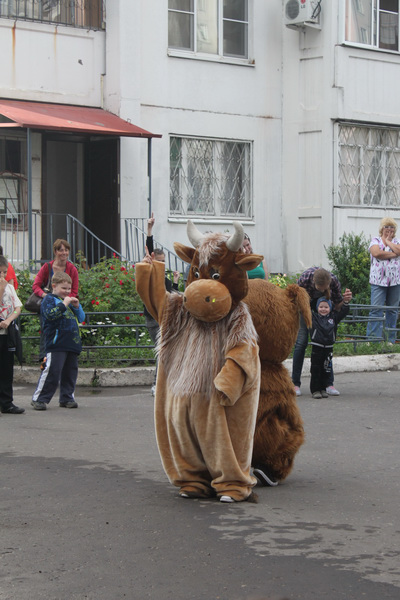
point(60, 314)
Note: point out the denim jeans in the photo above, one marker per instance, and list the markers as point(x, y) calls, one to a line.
point(384, 296)
point(298, 355)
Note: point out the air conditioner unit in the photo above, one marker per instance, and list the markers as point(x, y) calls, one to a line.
point(299, 13)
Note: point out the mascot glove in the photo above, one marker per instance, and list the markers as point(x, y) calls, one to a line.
point(230, 382)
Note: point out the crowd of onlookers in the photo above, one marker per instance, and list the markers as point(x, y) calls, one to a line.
point(57, 282)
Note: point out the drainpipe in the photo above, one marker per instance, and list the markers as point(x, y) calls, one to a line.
point(29, 177)
point(149, 172)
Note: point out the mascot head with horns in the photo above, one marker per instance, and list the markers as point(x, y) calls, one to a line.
point(217, 279)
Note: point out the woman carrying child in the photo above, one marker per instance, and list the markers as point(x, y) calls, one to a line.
point(325, 321)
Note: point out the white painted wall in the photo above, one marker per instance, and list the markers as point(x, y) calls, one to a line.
point(189, 96)
point(51, 64)
point(285, 102)
point(325, 81)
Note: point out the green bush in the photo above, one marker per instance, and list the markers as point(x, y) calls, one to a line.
point(350, 262)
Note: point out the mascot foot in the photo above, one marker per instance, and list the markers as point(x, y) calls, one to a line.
point(251, 498)
point(196, 494)
point(226, 499)
point(264, 476)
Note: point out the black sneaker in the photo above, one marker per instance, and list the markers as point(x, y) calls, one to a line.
point(13, 410)
point(69, 404)
point(264, 477)
point(39, 405)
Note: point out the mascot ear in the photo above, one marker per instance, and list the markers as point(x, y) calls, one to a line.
point(184, 252)
point(248, 261)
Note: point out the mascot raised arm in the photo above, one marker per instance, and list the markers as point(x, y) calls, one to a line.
point(208, 378)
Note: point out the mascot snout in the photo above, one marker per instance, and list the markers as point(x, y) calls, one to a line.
point(207, 300)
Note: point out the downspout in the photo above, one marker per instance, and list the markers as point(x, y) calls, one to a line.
point(149, 172)
point(29, 177)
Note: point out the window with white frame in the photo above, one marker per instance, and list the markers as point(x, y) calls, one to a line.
point(78, 13)
point(210, 177)
point(374, 23)
point(213, 27)
point(369, 166)
point(12, 179)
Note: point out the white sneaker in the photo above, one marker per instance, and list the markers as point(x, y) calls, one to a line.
point(226, 499)
point(332, 391)
point(297, 390)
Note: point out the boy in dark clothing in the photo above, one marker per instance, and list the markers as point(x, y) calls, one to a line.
point(60, 314)
point(323, 334)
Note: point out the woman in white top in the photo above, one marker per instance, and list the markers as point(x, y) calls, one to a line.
point(384, 279)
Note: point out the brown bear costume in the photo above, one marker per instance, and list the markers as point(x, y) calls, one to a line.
point(279, 427)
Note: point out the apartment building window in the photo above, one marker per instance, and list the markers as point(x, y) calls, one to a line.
point(369, 166)
point(212, 27)
point(374, 23)
point(78, 13)
point(12, 181)
point(210, 177)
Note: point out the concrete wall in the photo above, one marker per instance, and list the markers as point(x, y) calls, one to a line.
point(325, 81)
point(189, 96)
point(286, 101)
point(51, 64)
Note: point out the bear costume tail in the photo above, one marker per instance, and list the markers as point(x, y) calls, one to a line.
point(301, 299)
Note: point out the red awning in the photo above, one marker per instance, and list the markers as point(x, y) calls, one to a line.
point(66, 117)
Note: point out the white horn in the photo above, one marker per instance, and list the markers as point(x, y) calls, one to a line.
point(194, 235)
point(236, 240)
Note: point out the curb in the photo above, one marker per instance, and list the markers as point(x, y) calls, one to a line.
point(94, 377)
point(131, 376)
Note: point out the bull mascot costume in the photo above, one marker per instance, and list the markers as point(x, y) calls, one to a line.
point(208, 381)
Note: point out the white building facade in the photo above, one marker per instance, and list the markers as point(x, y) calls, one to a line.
point(293, 131)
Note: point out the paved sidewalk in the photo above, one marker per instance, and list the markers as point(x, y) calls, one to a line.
point(145, 375)
point(87, 513)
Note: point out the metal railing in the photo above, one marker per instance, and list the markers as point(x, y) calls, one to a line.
point(93, 325)
point(89, 351)
point(76, 13)
point(360, 313)
point(135, 241)
point(84, 243)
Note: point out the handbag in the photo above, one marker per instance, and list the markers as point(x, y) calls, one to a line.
point(34, 301)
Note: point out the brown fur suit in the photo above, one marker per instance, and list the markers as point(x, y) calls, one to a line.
point(279, 428)
point(209, 372)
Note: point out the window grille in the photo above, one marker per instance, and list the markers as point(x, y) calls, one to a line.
point(87, 14)
point(369, 166)
point(210, 177)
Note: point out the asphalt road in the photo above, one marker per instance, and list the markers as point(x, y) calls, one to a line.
point(86, 511)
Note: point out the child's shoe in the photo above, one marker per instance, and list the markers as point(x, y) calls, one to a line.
point(332, 391)
point(69, 404)
point(317, 395)
point(324, 394)
point(39, 405)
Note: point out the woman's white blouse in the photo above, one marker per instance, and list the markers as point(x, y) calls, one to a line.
point(384, 272)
